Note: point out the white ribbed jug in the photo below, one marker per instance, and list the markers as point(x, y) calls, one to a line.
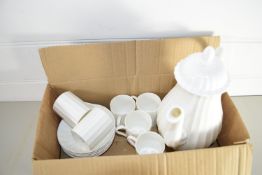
point(190, 115)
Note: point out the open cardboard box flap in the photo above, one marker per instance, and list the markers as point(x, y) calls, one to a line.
point(97, 72)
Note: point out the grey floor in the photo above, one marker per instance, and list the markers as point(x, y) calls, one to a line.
point(18, 124)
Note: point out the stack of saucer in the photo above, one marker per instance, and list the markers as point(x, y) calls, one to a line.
point(75, 147)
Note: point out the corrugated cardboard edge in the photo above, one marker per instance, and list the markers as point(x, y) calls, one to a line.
point(231, 160)
point(46, 114)
point(232, 122)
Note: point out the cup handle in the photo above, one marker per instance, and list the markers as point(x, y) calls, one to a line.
point(132, 140)
point(118, 120)
point(121, 127)
point(134, 97)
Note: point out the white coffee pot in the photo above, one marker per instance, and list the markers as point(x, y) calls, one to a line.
point(190, 115)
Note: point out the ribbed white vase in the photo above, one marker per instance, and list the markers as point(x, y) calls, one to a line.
point(190, 115)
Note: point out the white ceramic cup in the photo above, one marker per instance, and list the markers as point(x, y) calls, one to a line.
point(147, 143)
point(148, 102)
point(136, 123)
point(94, 127)
point(70, 108)
point(120, 106)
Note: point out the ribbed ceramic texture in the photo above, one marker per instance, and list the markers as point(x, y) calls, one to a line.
point(202, 73)
point(202, 119)
point(70, 108)
point(75, 147)
point(93, 127)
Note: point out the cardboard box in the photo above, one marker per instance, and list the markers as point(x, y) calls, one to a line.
point(98, 72)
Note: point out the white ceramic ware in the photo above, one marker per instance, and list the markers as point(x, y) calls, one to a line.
point(76, 147)
point(201, 80)
point(147, 143)
point(121, 105)
point(93, 127)
point(172, 127)
point(70, 108)
point(136, 123)
point(148, 102)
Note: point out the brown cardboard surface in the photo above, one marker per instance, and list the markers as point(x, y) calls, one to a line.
point(233, 129)
point(96, 73)
point(46, 145)
point(230, 160)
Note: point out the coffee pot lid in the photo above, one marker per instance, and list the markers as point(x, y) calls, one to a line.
point(203, 73)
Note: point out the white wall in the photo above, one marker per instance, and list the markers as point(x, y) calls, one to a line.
point(26, 25)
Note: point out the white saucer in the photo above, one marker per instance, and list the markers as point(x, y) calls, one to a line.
point(92, 153)
point(75, 147)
